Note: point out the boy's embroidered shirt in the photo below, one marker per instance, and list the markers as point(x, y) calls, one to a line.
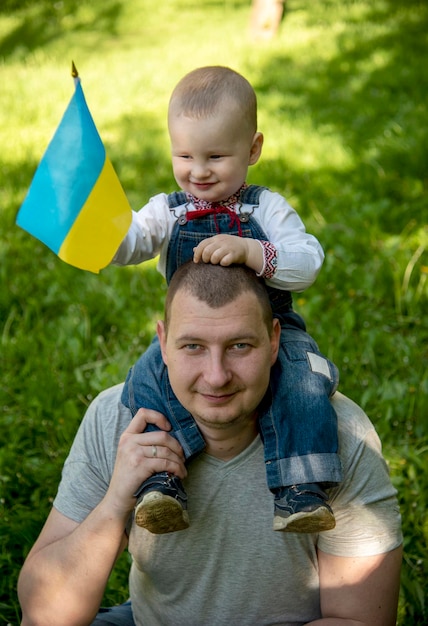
point(230, 203)
point(270, 259)
point(299, 254)
point(270, 256)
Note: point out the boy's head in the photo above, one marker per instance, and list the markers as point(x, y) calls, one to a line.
point(208, 91)
point(212, 121)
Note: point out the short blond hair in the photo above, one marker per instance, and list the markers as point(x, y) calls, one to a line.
point(217, 286)
point(203, 92)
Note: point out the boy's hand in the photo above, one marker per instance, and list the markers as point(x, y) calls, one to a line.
point(228, 249)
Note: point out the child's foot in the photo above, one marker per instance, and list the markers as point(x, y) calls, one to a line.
point(162, 505)
point(303, 509)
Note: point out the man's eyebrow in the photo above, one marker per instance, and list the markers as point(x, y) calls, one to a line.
point(188, 339)
point(241, 338)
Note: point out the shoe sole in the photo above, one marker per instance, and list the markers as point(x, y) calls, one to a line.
point(161, 514)
point(313, 522)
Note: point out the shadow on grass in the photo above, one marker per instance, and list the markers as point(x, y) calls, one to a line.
point(372, 95)
point(39, 24)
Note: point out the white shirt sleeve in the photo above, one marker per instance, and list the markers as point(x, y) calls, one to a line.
point(299, 254)
point(148, 234)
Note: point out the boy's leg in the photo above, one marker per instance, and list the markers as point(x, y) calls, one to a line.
point(299, 431)
point(161, 500)
point(115, 616)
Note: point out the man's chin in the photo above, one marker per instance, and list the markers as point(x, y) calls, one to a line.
point(218, 419)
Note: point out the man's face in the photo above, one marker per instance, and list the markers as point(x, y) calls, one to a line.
point(218, 360)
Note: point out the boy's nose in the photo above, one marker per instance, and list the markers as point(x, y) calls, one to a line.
point(200, 170)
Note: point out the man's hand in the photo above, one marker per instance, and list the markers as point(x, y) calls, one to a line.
point(64, 577)
point(228, 249)
point(140, 455)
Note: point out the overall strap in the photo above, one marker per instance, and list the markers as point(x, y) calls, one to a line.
point(251, 194)
point(176, 198)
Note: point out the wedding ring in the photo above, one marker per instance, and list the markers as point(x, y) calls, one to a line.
point(154, 451)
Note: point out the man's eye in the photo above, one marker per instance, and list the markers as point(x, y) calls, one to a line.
point(241, 346)
point(192, 346)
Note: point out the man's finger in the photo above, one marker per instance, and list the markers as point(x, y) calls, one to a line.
point(147, 416)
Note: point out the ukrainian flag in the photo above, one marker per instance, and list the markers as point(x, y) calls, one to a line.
point(76, 205)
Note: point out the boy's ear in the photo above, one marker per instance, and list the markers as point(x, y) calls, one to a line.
point(256, 148)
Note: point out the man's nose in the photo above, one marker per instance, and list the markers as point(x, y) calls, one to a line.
point(217, 372)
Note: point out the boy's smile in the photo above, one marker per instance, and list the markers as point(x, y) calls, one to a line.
point(211, 155)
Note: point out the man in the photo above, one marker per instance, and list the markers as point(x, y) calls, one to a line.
point(219, 342)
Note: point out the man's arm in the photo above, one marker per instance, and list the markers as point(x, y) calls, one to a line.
point(65, 574)
point(360, 591)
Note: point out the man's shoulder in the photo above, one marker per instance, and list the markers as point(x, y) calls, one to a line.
point(108, 410)
point(355, 429)
point(350, 414)
point(111, 394)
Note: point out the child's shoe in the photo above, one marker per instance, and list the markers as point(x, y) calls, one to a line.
point(162, 504)
point(302, 509)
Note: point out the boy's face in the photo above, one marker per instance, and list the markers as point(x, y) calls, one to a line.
point(211, 155)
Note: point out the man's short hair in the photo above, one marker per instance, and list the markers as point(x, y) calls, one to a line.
point(207, 90)
point(216, 286)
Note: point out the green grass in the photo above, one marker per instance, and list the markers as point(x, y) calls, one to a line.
point(342, 96)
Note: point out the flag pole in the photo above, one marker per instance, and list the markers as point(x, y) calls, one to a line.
point(75, 192)
point(75, 73)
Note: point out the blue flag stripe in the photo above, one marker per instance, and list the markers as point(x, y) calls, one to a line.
point(54, 199)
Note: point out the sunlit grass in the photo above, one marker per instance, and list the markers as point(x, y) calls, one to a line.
point(342, 103)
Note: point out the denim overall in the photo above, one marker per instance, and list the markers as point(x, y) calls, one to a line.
point(297, 423)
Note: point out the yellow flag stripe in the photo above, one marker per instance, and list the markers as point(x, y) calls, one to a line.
point(100, 226)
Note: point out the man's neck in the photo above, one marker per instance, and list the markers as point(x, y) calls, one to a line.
point(226, 443)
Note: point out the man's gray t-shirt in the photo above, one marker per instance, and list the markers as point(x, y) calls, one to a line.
point(230, 567)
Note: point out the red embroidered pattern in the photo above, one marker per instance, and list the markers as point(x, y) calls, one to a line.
point(215, 210)
point(202, 207)
point(229, 203)
point(270, 259)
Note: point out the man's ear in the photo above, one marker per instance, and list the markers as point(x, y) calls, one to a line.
point(256, 148)
point(161, 333)
point(275, 339)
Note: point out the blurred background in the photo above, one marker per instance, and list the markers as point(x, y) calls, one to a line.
point(342, 89)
